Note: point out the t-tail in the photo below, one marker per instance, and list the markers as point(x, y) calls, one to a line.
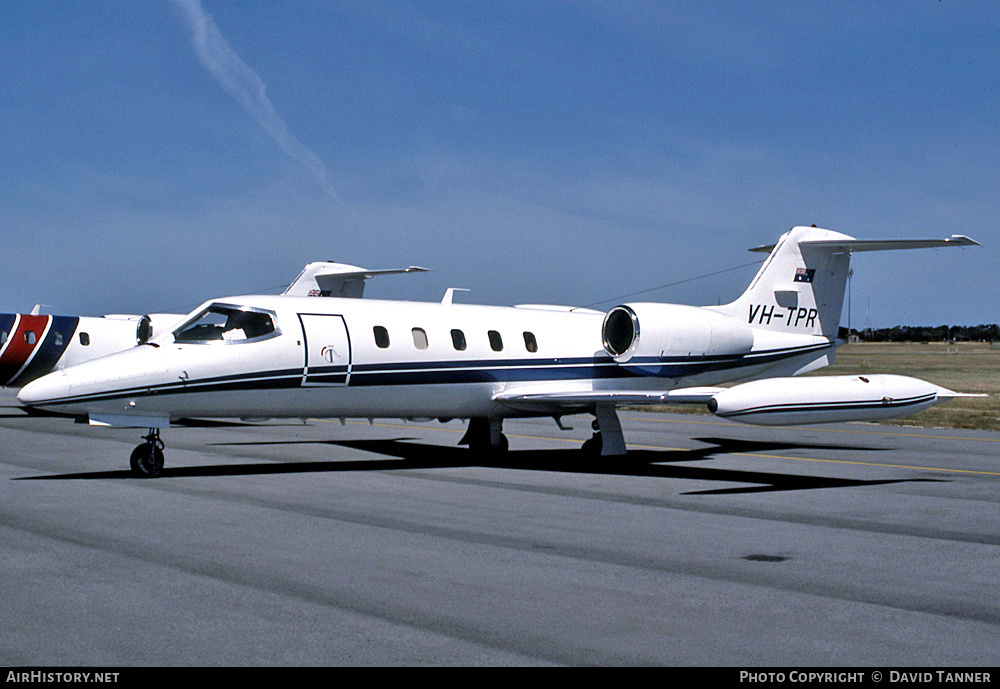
point(801, 286)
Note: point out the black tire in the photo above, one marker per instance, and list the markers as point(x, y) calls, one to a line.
point(502, 447)
point(146, 461)
point(592, 447)
point(486, 448)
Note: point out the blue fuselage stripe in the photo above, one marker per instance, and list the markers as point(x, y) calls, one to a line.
point(454, 372)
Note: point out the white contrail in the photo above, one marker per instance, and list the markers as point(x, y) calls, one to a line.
point(243, 84)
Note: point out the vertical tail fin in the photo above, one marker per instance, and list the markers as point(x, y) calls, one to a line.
point(800, 288)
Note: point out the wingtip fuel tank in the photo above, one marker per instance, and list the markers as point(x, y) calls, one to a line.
point(826, 399)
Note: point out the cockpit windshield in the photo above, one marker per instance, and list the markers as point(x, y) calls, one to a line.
point(227, 324)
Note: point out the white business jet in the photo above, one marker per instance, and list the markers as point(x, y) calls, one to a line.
point(306, 357)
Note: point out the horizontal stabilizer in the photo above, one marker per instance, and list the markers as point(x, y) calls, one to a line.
point(800, 288)
point(328, 279)
point(849, 246)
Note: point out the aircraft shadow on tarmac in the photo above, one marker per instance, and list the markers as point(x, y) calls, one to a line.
point(404, 454)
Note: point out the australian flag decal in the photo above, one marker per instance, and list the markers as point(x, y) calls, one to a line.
point(804, 274)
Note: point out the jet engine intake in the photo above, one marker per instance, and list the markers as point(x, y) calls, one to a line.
point(666, 330)
point(144, 330)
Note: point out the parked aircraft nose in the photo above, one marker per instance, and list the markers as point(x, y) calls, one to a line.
point(82, 388)
point(48, 388)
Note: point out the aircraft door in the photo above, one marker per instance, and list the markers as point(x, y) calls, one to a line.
point(327, 350)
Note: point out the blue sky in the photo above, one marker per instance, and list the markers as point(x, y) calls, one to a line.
point(156, 154)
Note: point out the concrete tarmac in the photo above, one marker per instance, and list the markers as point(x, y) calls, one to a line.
point(316, 543)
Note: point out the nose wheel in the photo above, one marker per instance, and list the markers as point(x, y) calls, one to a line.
point(147, 459)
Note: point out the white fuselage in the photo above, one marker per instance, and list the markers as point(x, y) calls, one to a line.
point(330, 357)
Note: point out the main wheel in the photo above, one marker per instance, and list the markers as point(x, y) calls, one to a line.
point(502, 447)
point(146, 461)
point(593, 446)
point(484, 447)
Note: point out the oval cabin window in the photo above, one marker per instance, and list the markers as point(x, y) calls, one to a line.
point(496, 342)
point(419, 338)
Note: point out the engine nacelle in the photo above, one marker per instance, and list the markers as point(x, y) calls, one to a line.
point(668, 330)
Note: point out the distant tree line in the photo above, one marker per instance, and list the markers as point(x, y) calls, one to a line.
point(941, 333)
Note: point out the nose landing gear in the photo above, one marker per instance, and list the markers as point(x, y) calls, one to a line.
point(608, 439)
point(147, 459)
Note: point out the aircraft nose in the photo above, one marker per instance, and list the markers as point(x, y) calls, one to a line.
point(45, 389)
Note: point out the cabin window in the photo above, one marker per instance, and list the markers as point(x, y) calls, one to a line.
point(30, 337)
point(496, 342)
point(85, 339)
point(228, 324)
point(419, 338)
point(381, 337)
point(458, 339)
point(529, 342)
point(3, 336)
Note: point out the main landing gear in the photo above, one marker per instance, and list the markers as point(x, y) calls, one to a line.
point(592, 446)
point(485, 435)
point(608, 439)
point(147, 459)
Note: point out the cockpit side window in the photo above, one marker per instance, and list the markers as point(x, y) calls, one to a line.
point(228, 324)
